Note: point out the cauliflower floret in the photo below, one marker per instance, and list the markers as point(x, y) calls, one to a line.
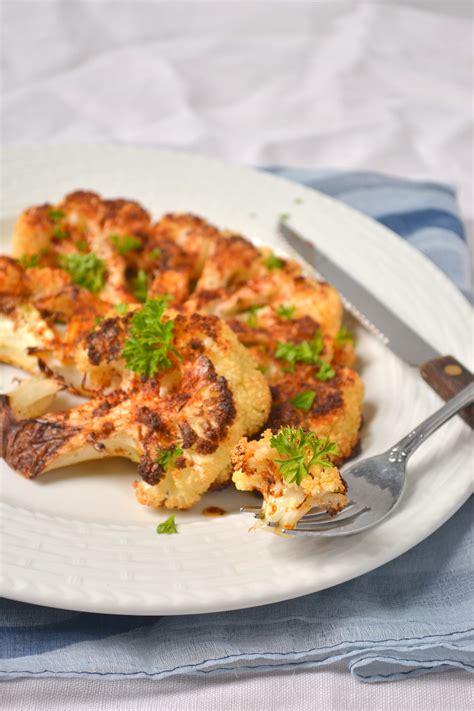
point(22, 331)
point(288, 494)
point(193, 412)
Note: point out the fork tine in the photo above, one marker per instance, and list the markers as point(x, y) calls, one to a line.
point(255, 510)
point(324, 516)
point(320, 526)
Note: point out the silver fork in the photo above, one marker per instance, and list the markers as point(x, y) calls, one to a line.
point(375, 485)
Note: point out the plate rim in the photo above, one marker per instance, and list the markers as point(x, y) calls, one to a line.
point(335, 204)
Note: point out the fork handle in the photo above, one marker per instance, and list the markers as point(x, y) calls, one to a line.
point(447, 377)
point(405, 448)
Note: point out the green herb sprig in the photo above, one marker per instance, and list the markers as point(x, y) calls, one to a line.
point(58, 233)
point(325, 372)
point(301, 450)
point(168, 526)
point(86, 270)
point(344, 336)
point(125, 243)
point(304, 401)
point(252, 319)
point(273, 262)
point(286, 312)
point(56, 215)
point(150, 342)
point(303, 352)
point(28, 261)
point(140, 286)
point(167, 457)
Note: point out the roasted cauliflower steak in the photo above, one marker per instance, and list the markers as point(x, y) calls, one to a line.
point(199, 407)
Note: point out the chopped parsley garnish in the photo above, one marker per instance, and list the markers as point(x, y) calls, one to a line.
point(56, 215)
point(86, 270)
point(150, 340)
point(58, 233)
point(301, 451)
point(325, 372)
point(252, 316)
point(283, 216)
point(303, 352)
point(304, 401)
point(344, 336)
point(98, 320)
point(167, 457)
point(273, 262)
point(167, 526)
point(263, 369)
point(155, 253)
point(81, 245)
point(286, 311)
point(29, 260)
point(140, 286)
point(121, 309)
point(125, 243)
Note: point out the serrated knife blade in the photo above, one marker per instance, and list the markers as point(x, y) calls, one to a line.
point(444, 373)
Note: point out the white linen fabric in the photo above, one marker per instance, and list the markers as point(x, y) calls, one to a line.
point(344, 84)
point(298, 691)
point(350, 85)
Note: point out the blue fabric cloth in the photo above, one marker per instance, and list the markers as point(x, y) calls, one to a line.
point(409, 617)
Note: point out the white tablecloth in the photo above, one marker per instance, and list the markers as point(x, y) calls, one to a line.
point(355, 85)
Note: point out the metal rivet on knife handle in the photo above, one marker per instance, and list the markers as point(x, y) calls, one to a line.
point(448, 377)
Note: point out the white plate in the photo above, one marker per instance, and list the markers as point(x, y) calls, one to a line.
point(77, 539)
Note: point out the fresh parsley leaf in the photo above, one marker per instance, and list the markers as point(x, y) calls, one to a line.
point(286, 311)
point(81, 245)
point(58, 233)
point(301, 450)
point(121, 309)
point(167, 526)
point(125, 243)
point(344, 336)
point(284, 216)
point(140, 286)
point(303, 352)
point(252, 316)
point(150, 340)
point(273, 262)
point(325, 372)
point(155, 253)
point(56, 215)
point(86, 270)
point(304, 401)
point(98, 320)
point(167, 457)
point(28, 261)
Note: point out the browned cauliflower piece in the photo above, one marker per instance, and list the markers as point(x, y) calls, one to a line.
point(290, 482)
point(180, 425)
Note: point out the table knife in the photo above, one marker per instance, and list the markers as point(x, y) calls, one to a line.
point(446, 375)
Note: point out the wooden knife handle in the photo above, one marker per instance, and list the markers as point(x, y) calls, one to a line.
point(447, 377)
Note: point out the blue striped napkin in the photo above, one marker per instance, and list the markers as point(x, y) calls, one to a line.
point(409, 617)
